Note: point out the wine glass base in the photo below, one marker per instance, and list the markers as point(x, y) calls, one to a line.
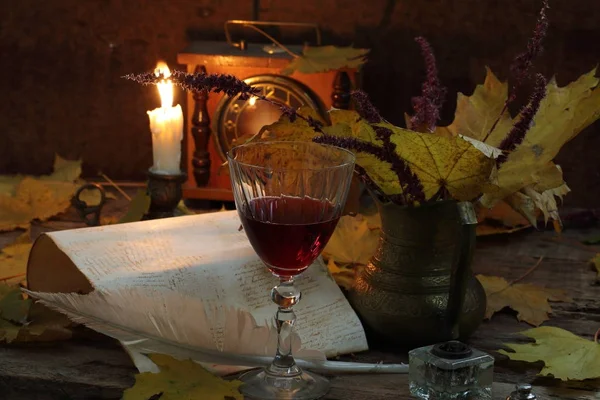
point(259, 385)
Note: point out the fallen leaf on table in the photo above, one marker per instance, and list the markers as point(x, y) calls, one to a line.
point(499, 219)
point(137, 208)
point(181, 380)
point(353, 241)
point(25, 198)
point(182, 209)
point(343, 275)
point(23, 321)
point(593, 240)
point(13, 259)
point(530, 301)
point(566, 356)
point(13, 306)
point(326, 58)
point(596, 263)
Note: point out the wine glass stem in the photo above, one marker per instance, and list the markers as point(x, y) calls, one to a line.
point(285, 295)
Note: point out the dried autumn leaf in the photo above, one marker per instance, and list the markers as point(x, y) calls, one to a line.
point(343, 275)
point(283, 129)
point(13, 306)
point(565, 356)
point(22, 321)
point(530, 301)
point(326, 58)
point(137, 208)
point(596, 263)
point(13, 259)
point(475, 114)
point(452, 163)
point(564, 112)
point(502, 218)
point(352, 242)
point(181, 380)
point(25, 198)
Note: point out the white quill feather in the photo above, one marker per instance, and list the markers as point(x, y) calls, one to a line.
point(185, 328)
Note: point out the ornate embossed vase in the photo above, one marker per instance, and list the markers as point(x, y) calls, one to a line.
point(418, 288)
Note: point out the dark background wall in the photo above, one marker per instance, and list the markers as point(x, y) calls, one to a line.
point(62, 60)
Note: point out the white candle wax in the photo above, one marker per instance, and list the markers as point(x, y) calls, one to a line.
point(166, 125)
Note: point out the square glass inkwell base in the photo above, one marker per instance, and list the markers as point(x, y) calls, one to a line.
point(450, 371)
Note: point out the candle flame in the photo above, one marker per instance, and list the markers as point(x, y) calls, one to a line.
point(252, 101)
point(165, 87)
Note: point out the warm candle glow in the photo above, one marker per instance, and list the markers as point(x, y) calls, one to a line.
point(165, 87)
point(166, 124)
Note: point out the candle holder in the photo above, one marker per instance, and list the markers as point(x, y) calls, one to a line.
point(165, 194)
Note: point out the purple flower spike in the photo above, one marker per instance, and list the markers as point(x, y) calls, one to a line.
point(517, 134)
point(427, 106)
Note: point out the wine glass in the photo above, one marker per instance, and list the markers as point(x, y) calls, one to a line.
point(289, 196)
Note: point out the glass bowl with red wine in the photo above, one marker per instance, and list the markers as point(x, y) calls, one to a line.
point(289, 196)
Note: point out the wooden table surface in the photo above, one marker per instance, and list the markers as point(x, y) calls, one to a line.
point(91, 366)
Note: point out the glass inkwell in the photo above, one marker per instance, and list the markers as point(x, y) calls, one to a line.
point(450, 371)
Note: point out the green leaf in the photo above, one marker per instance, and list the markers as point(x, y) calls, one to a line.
point(326, 58)
point(137, 208)
point(566, 356)
point(181, 380)
point(13, 307)
point(592, 240)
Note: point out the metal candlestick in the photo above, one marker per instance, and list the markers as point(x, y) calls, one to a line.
point(165, 194)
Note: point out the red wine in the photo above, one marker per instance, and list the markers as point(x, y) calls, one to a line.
point(288, 233)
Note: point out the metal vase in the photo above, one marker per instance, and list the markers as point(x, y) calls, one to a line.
point(418, 288)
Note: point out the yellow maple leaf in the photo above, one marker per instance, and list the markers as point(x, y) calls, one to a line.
point(283, 129)
point(13, 259)
point(502, 218)
point(596, 263)
point(476, 114)
point(352, 242)
point(137, 208)
point(530, 301)
point(350, 124)
point(566, 356)
point(439, 162)
point(181, 380)
point(564, 112)
point(326, 58)
point(343, 275)
point(25, 198)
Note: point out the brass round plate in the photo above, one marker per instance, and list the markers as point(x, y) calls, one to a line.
point(234, 117)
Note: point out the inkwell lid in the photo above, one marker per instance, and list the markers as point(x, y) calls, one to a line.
point(453, 350)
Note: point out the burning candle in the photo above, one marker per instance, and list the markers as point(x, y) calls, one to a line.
point(166, 125)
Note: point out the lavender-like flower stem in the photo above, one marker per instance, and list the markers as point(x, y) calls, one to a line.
point(217, 83)
point(523, 62)
point(427, 106)
point(517, 134)
point(365, 108)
